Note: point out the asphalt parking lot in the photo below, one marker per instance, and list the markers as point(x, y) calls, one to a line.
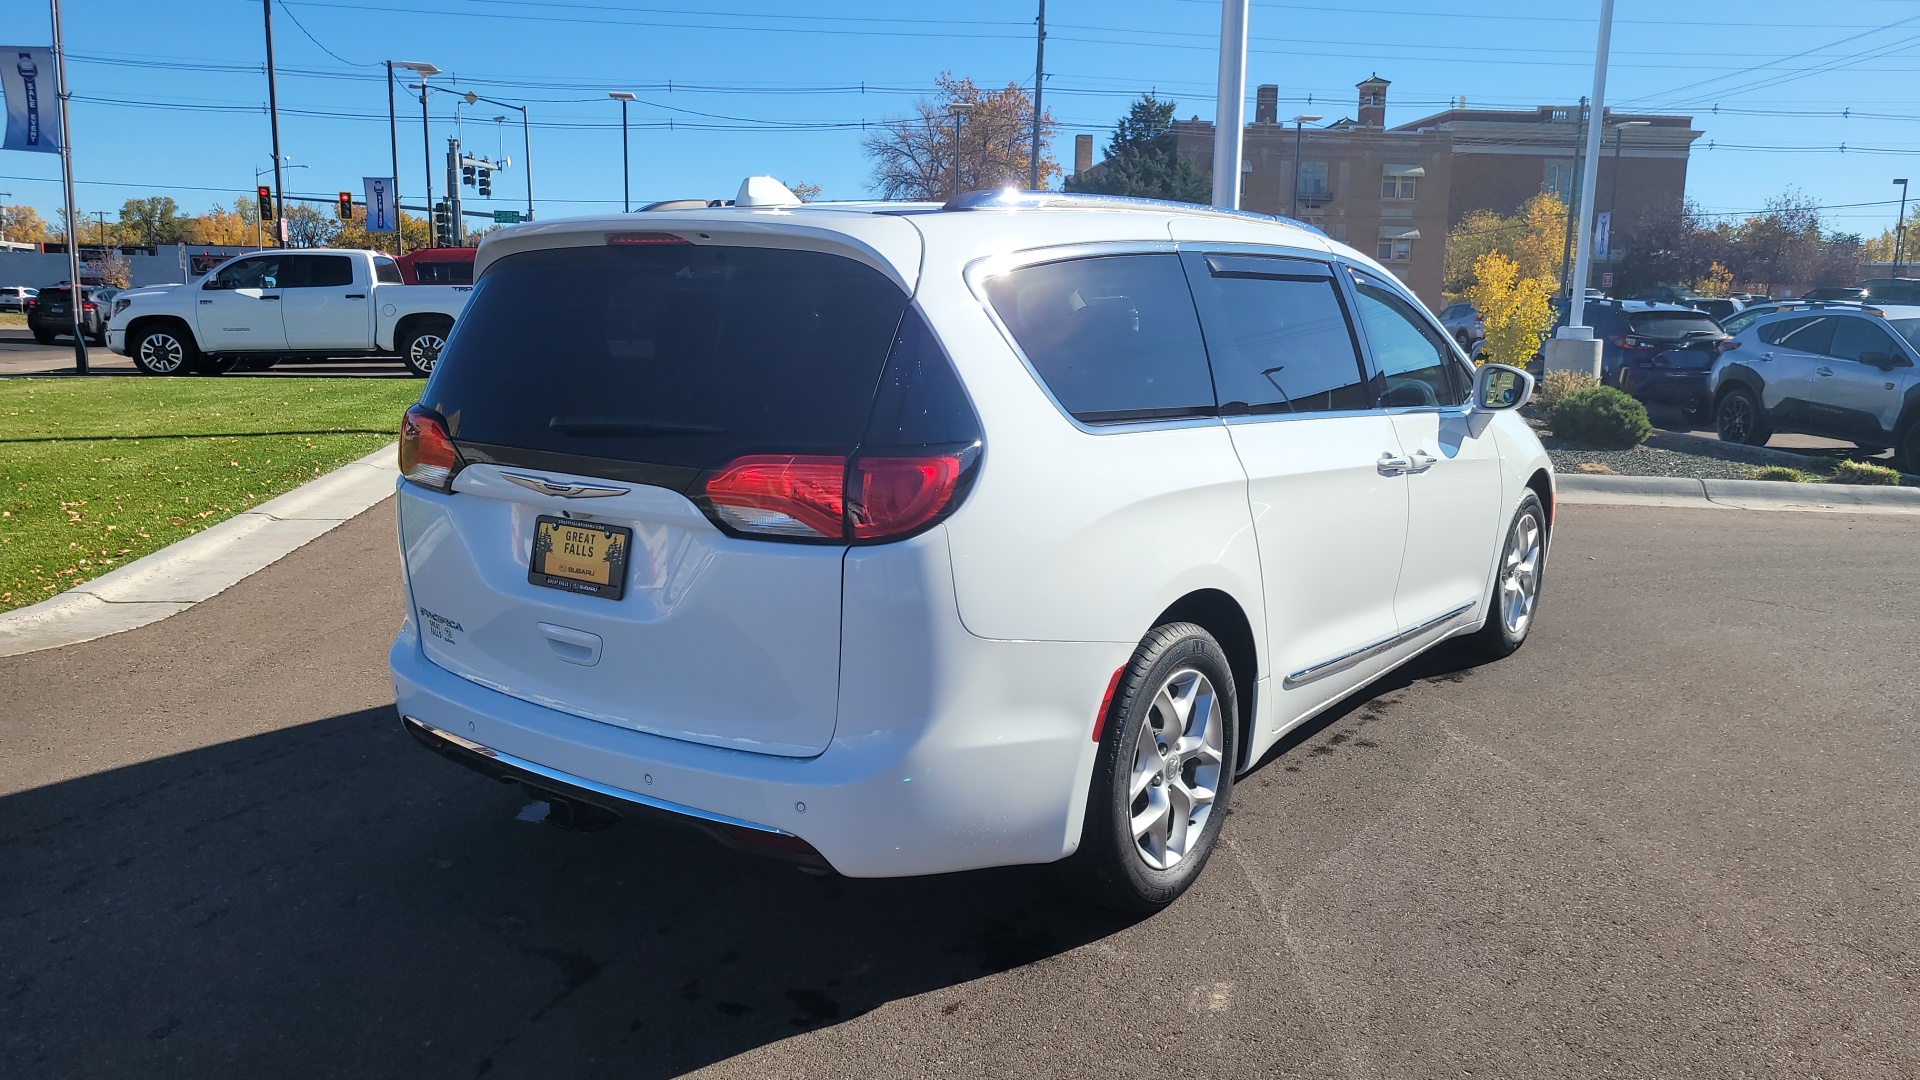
point(1674, 836)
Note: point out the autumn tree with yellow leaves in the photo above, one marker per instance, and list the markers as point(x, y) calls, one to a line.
point(1516, 309)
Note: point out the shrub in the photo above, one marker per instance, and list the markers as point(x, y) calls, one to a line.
point(1781, 472)
point(1556, 385)
point(1601, 417)
point(1864, 472)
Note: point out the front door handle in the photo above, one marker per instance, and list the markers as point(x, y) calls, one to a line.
point(1766, 356)
point(1393, 466)
point(356, 296)
point(1422, 461)
point(269, 298)
point(1823, 371)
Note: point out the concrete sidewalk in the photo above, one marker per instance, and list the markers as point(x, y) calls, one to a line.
point(183, 574)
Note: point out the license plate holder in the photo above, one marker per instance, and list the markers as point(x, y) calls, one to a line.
point(586, 557)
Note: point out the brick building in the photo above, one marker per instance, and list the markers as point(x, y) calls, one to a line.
point(1395, 192)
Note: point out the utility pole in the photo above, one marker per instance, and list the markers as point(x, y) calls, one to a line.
point(456, 225)
point(1039, 84)
point(1299, 122)
point(626, 175)
point(66, 174)
point(1229, 117)
point(426, 154)
point(393, 139)
point(273, 119)
point(957, 110)
point(1900, 230)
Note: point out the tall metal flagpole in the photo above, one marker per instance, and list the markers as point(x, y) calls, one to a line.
point(1229, 109)
point(75, 300)
point(393, 193)
point(273, 118)
point(1039, 84)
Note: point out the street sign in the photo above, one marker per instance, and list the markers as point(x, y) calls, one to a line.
point(506, 217)
point(1606, 281)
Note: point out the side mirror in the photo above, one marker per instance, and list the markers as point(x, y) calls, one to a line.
point(1885, 361)
point(1497, 387)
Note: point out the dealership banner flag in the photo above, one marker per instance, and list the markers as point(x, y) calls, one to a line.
point(382, 215)
point(33, 109)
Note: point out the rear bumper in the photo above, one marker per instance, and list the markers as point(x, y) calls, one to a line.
point(951, 752)
point(1653, 385)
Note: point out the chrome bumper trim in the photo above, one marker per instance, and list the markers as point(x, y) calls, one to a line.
point(1367, 652)
point(451, 745)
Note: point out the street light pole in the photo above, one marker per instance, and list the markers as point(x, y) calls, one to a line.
point(1900, 230)
point(1583, 254)
point(63, 92)
point(626, 176)
point(1293, 211)
point(426, 161)
point(1229, 105)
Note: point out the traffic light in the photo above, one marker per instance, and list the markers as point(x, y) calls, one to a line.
point(266, 202)
point(466, 175)
point(442, 225)
point(484, 177)
point(346, 206)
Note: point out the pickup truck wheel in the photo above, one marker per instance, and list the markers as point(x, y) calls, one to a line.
point(420, 348)
point(213, 365)
point(162, 351)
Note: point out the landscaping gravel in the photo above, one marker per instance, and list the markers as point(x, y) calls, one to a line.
point(1649, 461)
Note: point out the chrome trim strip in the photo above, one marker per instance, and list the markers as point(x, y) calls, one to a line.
point(562, 489)
point(1367, 652)
point(581, 782)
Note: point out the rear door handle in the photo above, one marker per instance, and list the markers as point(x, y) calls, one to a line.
point(269, 298)
point(356, 296)
point(573, 646)
point(1823, 371)
point(1393, 466)
point(1422, 461)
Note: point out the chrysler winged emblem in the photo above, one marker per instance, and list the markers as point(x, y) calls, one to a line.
point(564, 490)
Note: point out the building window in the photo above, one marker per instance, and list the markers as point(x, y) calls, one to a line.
point(1559, 180)
point(1396, 187)
point(1313, 180)
point(1562, 114)
point(1394, 250)
point(1371, 99)
point(1340, 232)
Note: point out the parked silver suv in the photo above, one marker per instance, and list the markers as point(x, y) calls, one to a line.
point(1840, 370)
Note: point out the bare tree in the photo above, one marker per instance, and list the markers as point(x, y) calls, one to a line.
point(914, 158)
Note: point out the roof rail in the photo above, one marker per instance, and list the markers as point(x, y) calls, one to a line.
point(1868, 306)
point(1015, 199)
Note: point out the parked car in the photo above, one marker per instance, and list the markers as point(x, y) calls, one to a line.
point(1634, 329)
point(1464, 324)
point(1837, 292)
point(50, 318)
point(15, 297)
point(1839, 370)
point(1667, 357)
point(262, 307)
point(1721, 308)
point(1893, 290)
point(1005, 531)
point(437, 266)
point(1750, 314)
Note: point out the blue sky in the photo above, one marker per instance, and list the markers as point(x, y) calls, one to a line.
point(170, 97)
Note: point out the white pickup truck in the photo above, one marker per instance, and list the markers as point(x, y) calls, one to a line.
point(264, 307)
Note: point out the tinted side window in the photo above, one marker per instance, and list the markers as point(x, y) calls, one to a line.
point(386, 271)
point(1114, 338)
point(316, 271)
point(262, 272)
point(1811, 333)
point(1418, 364)
point(1851, 337)
point(1278, 335)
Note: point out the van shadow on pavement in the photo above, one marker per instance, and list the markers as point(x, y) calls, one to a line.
point(330, 899)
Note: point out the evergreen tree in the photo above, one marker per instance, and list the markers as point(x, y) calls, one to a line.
point(1142, 161)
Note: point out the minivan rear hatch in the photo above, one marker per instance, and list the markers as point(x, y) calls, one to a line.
point(599, 389)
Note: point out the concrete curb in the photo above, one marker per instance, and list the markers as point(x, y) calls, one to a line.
point(1736, 494)
point(1685, 443)
point(203, 565)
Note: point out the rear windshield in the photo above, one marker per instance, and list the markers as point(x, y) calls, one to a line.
point(676, 355)
point(1673, 324)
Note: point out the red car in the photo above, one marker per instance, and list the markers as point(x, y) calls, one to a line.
point(437, 266)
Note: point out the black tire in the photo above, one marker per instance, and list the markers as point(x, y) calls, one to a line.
point(1906, 449)
point(258, 363)
point(1525, 542)
point(420, 346)
point(45, 337)
point(163, 350)
point(1738, 418)
point(1111, 866)
point(213, 365)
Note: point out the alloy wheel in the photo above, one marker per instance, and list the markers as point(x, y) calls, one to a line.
point(162, 353)
point(1736, 419)
point(425, 351)
point(1177, 759)
point(1520, 575)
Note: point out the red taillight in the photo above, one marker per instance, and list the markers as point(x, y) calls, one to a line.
point(89, 306)
point(33, 303)
point(895, 495)
point(427, 456)
point(1728, 344)
point(795, 495)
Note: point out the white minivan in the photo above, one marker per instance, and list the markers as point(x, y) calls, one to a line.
point(906, 538)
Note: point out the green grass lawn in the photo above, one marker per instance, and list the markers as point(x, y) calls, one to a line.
point(95, 472)
point(13, 318)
